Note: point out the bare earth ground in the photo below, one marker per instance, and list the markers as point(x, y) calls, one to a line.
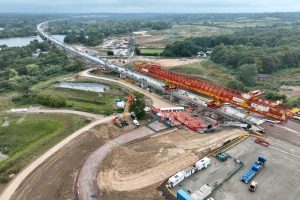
point(168, 62)
point(291, 91)
point(55, 178)
point(135, 170)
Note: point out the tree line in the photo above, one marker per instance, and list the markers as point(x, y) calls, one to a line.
point(269, 49)
point(93, 33)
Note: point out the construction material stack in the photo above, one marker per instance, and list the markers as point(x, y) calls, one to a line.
point(255, 169)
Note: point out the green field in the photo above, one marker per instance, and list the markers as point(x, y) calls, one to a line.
point(151, 51)
point(87, 101)
point(29, 135)
point(206, 70)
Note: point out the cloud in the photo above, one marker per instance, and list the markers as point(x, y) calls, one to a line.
point(156, 6)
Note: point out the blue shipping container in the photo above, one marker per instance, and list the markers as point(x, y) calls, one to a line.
point(183, 195)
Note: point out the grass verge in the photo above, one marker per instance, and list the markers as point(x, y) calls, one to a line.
point(30, 135)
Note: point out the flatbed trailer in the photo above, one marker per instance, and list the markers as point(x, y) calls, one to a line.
point(255, 169)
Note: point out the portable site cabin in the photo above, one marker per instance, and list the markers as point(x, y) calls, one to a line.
point(203, 163)
point(177, 178)
point(189, 171)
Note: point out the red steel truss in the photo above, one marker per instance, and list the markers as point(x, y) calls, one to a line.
point(184, 118)
point(219, 93)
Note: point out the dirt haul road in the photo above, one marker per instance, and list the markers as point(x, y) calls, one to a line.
point(17, 181)
point(158, 101)
point(55, 178)
point(64, 111)
point(87, 178)
point(14, 184)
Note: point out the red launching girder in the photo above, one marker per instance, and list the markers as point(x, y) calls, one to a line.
point(219, 93)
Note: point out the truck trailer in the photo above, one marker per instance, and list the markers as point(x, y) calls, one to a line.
point(255, 169)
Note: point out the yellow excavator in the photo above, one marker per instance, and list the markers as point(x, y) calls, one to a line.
point(120, 121)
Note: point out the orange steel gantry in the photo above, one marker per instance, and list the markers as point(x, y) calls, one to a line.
point(220, 94)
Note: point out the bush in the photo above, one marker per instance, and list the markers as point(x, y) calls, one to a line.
point(237, 85)
point(48, 100)
point(275, 96)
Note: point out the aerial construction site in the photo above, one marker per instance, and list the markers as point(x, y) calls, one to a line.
point(198, 140)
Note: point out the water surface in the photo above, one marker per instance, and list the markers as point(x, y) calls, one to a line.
point(19, 41)
point(91, 87)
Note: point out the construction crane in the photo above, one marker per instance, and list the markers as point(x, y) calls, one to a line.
point(251, 101)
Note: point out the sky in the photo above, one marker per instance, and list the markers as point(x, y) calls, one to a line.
point(149, 6)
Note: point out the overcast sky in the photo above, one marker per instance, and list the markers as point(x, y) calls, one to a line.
point(153, 6)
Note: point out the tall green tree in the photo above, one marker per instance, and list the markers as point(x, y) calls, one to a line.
point(138, 105)
point(247, 74)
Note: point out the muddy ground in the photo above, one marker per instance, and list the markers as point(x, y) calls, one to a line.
point(134, 171)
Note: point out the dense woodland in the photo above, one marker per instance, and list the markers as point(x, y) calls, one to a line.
point(21, 25)
point(19, 69)
point(270, 49)
point(92, 33)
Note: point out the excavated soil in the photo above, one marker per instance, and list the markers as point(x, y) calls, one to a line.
point(145, 164)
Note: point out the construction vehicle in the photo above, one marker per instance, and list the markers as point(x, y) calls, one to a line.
point(252, 186)
point(220, 95)
point(255, 169)
point(120, 120)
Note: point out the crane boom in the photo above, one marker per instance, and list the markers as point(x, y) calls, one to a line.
point(220, 94)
